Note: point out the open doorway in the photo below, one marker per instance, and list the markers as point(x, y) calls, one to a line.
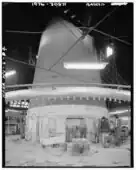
point(75, 128)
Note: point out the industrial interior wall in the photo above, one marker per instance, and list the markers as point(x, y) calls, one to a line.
point(52, 119)
point(55, 41)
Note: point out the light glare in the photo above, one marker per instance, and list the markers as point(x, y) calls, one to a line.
point(94, 66)
point(119, 111)
point(66, 11)
point(109, 52)
point(10, 73)
point(73, 16)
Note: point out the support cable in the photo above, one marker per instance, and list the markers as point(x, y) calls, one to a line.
point(63, 75)
point(42, 68)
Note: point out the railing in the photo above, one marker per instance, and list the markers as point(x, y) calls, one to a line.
point(53, 85)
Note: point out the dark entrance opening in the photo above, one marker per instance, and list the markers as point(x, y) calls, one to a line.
point(75, 128)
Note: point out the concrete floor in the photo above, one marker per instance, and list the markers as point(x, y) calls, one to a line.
point(23, 153)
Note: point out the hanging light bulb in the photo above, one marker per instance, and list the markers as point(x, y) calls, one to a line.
point(109, 51)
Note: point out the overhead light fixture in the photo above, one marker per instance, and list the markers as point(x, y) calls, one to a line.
point(91, 66)
point(10, 73)
point(109, 52)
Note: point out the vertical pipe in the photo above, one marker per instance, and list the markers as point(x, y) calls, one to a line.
point(129, 123)
point(20, 127)
point(37, 129)
point(34, 121)
point(8, 126)
point(24, 122)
